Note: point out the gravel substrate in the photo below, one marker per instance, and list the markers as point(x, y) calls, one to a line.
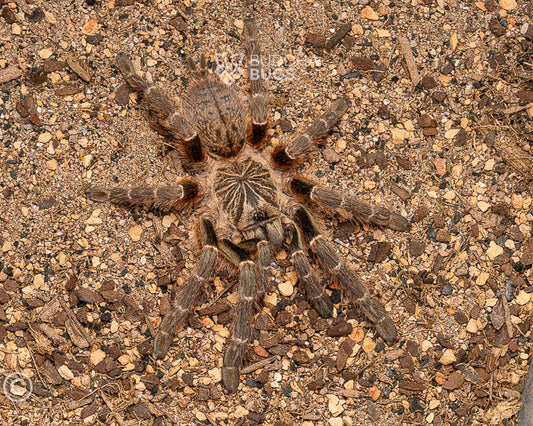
point(439, 130)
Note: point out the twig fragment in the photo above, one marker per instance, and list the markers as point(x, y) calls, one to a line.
point(507, 316)
point(75, 330)
point(521, 160)
point(409, 59)
point(517, 108)
point(118, 417)
point(259, 364)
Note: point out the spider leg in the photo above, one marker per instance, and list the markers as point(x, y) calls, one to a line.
point(242, 323)
point(198, 74)
point(377, 215)
point(258, 101)
point(331, 261)
point(163, 114)
point(286, 155)
point(163, 198)
point(307, 276)
point(264, 260)
point(189, 293)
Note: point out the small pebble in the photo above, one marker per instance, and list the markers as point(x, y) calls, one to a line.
point(447, 290)
point(509, 291)
point(494, 250)
point(483, 206)
point(369, 13)
point(368, 345)
point(51, 164)
point(135, 233)
point(286, 288)
point(45, 53)
point(448, 357)
point(508, 4)
point(472, 326)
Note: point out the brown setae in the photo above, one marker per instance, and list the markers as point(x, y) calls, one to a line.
point(253, 203)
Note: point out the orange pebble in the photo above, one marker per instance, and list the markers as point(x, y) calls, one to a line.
point(259, 350)
point(375, 393)
point(90, 27)
point(440, 378)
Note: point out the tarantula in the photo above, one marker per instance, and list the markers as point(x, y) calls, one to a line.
point(247, 212)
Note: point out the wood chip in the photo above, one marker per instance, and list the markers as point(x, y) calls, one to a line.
point(75, 330)
point(497, 316)
point(67, 89)
point(76, 66)
point(256, 366)
point(10, 73)
point(77, 333)
point(521, 160)
point(405, 47)
point(455, 381)
point(27, 107)
point(50, 333)
point(338, 36)
point(179, 23)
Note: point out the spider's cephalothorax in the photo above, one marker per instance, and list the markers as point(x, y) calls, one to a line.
point(246, 213)
point(245, 192)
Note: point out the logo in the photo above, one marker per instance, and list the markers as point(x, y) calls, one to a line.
point(18, 387)
point(230, 66)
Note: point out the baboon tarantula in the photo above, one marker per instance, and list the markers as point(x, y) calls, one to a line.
point(247, 214)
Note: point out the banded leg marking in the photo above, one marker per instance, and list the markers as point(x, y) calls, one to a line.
point(360, 210)
point(244, 311)
point(331, 261)
point(258, 98)
point(189, 293)
point(286, 155)
point(311, 283)
point(162, 198)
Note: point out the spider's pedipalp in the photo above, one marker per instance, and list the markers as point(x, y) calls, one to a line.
point(258, 98)
point(274, 231)
point(189, 293)
point(264, 260)
point(377, 215)
point(285, 156)
point(313, 289)
point(331, 261)
point(160, 198)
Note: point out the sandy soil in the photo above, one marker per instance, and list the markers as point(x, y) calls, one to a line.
point(83, 285)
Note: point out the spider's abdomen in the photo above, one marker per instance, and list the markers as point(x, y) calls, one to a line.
point(218, 116)
point(245, 192)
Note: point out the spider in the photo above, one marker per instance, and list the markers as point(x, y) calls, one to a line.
point(248, 213)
